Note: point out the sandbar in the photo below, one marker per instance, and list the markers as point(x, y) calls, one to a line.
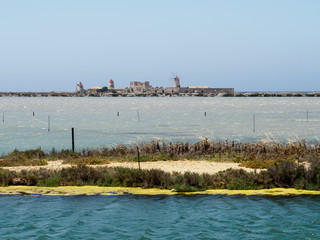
point(180, 166)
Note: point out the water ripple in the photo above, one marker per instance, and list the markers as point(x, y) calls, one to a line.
point(167, 217)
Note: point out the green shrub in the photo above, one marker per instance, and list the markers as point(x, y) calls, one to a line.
point(283, 174)
point(6, 177)
point(33, 157)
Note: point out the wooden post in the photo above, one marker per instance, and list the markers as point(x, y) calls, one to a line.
point(118, 114)
point(48, 123)
point(33, 114)
point(205, 114)
point(254, 123)
point(3, 117)
point(138, 115)
point(138, 157)
point(72, 135)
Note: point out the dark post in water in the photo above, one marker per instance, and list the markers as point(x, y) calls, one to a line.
point(254, 123)
point(138, 115)
point(138, 157)
point(72, 135)
point(3, 117)
point(48, 123)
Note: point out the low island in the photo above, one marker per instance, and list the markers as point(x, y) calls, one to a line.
point(204, 167)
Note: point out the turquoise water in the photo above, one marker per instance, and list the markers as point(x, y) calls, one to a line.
point(98, 125)
point(159, 217)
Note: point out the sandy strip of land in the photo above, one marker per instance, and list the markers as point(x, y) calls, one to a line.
point(52, 165)
point(181, 166)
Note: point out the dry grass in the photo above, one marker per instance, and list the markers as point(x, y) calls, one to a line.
point(253, 155)
point(24, 158)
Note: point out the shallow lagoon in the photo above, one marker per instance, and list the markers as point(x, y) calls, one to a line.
point(159, 217)
point(152, 217)
point(97, 123)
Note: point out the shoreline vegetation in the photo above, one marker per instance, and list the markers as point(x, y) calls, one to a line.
point(293, 165)
point(149, 94)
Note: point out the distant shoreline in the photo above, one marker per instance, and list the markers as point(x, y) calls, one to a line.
point(142, 94)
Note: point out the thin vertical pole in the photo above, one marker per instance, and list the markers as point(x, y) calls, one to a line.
point(254, 123)
point(205, 114)
point(48, 123)
point(138, 115)
point(307, 115)
point(3, 117)
point(72, 135)
point(33, 114)
point(138, 157)
point(118, 114)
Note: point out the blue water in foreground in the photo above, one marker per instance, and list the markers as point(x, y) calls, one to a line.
point(159, 217)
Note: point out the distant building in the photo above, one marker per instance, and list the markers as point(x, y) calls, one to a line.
point(198, 87)
point(80, 88)
point(144, 88)
point(205, 90)
point(198, 90)
point(111, 84)
point(176, 82)
point(94, 90)
point(140, 86)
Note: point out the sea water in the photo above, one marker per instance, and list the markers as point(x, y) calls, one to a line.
point(97, 124)
point(159, 217)
point(28, 123)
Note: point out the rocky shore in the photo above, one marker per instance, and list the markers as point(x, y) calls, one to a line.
point(149, 94)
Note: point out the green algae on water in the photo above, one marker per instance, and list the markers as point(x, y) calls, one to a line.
point(96, 190)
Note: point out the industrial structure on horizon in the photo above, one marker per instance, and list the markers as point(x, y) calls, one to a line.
point(144, 88)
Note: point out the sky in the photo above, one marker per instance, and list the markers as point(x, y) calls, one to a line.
point(248, 45)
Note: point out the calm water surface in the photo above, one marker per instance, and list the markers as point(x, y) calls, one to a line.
point(97, 123)
point(159, 217)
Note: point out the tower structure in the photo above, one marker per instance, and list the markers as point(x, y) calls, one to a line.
point(111, 84)
point(176, 83)
point(80, 88)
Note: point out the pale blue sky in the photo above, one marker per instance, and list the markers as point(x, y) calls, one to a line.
point(255, 45)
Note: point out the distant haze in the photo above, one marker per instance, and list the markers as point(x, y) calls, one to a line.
point(251, 45)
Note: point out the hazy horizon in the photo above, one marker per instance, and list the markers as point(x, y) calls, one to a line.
point(246, 45)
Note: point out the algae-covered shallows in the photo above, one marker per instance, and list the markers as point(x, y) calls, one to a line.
point(95, 190)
